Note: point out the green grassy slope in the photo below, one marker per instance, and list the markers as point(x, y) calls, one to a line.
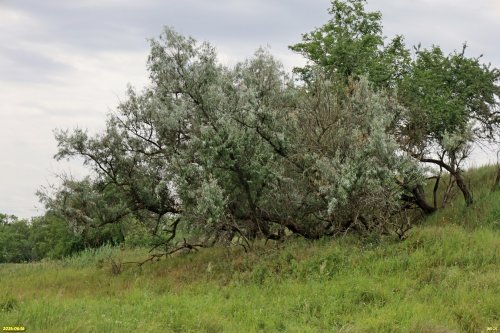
point(443, 278)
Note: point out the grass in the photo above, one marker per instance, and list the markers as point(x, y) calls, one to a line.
point(443, 278)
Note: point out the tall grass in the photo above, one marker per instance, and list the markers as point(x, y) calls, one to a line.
point(442, 278)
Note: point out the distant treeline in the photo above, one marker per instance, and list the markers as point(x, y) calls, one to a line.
point(52, 237)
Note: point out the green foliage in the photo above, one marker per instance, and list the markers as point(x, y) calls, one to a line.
point(47, 236)
point(351, 44)
point(137, 234)
point(51, 237)
point(449, 93)
point(14, 240)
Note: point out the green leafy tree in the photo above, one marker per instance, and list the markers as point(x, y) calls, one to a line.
point(453, 101)
point(351, 45)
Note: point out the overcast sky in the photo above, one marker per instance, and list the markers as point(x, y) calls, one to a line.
point(65, 64)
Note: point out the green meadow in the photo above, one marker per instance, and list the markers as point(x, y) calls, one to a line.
point(444, 277)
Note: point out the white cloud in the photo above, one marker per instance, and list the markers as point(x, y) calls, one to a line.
point(10, 17)
point(29, 113)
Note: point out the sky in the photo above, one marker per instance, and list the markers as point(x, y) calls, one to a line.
point(66, 64)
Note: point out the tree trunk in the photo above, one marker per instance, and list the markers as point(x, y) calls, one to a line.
point(419, 197)
point(434, 192)
point(463, 187)
point(455, 173)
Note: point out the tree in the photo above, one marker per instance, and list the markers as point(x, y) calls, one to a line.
point(229, 155)
point(352, 161)
point(351, 45)
point(453, 100)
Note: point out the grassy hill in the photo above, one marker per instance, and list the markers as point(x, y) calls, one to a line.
point(443, 278)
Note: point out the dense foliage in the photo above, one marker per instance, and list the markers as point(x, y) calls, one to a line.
point(43, 237)
point(232, 154)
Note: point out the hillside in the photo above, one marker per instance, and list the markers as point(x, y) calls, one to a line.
point(442, 278)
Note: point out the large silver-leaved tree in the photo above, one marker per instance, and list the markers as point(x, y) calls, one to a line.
point(211, 154)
